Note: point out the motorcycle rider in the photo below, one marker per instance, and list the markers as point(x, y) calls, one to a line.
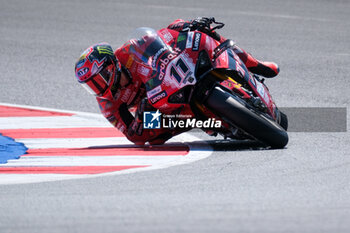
point(117, 87)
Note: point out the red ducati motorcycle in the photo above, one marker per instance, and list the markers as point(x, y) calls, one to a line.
point(192, 74)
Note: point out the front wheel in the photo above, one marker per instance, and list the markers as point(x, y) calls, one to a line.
point(233, 110)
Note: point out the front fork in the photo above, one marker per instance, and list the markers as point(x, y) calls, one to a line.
point(243, 92)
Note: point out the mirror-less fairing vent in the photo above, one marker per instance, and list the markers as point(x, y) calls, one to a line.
point(203, 64)
point(223, 47)
point(182, 96)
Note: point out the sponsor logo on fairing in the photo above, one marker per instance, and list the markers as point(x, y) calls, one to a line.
point(189, 41)
point(154, 91)
point(196, 41)
point(165, 62)
point(156, 98)
point(156, 56)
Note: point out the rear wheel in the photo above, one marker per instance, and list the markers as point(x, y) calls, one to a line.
point(235, 111)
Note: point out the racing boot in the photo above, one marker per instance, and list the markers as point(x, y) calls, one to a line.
point(266, 69)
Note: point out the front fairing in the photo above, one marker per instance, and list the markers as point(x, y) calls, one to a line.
point(162, 66)
point(166, 59)
point(151, 52)
point(224, 58)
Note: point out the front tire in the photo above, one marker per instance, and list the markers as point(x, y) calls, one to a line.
point(235, 112)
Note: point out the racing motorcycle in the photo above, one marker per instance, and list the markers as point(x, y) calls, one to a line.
point(193, 74)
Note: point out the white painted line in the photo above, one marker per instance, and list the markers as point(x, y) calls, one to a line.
point(197, 150)
point(90, 115)
point(44, 143)
point(51, 122)
point(38, 161)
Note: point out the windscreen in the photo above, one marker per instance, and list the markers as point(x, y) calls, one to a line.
point(147, 45)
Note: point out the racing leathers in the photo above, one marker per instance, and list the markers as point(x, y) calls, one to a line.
point(117, 105)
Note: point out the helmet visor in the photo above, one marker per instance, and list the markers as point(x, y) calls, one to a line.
point(100, 83)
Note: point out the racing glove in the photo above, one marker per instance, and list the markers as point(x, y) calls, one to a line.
point(139, 135)
point(203, 24)
point(136, 126)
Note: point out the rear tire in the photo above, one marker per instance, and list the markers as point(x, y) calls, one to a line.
point(235, 112)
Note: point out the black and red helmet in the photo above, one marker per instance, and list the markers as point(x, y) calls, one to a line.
point(97, 69)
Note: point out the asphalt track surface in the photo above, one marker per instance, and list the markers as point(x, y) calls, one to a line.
point(303, 188)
